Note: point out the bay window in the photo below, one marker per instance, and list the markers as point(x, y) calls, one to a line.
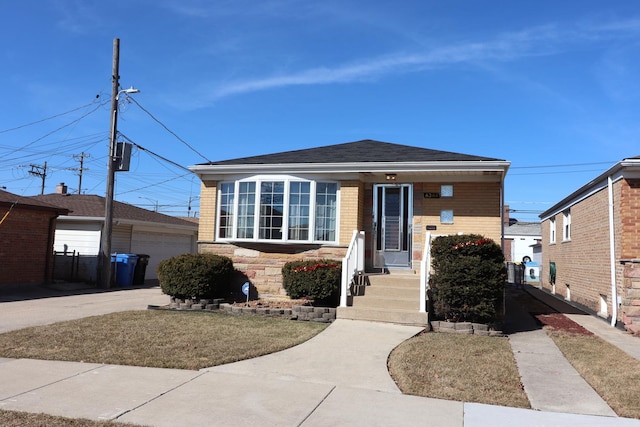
point(283, 209)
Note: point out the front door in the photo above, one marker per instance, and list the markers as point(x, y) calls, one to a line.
point(392, 219)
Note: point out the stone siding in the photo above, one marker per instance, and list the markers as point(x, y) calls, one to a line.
point(262, 263)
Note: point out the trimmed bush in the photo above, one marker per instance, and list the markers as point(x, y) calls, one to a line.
point(196, 276)
point(315, 279)
point(468, 279)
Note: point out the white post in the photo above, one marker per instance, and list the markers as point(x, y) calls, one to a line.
point(425, 265)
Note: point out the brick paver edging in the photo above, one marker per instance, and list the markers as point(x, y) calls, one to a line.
point(297, 312)
point(465, 328)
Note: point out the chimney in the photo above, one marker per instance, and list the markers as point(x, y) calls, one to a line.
point(505, 219)
point(61, 188)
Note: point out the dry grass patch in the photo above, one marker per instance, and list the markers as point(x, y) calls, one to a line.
point(611, 372)
point(158, 338)
point(24, 419)
point(466, 368)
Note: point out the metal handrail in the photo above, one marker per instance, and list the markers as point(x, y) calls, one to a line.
point(352, 264)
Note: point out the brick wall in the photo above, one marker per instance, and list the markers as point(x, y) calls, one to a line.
point(27, 246)
point(208, 200)
point(351, 209)
point(475, 205)
point(630, 218)
point(583, 263)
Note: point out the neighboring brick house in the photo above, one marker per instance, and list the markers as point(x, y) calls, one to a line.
point(263, 211)
point(26, 231)
point(591, 245)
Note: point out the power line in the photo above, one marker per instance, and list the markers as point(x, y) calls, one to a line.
point(556, 173)
point(155, 154)
point(170, 131)
point(562, 166)
point(58, 129)
point(40, 171)
point(49, 118)
point(154, 184)
point(80, 158)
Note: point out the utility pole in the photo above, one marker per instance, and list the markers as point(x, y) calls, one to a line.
point(81, 169)
point(105, 243)
point(104, 261)
point(40, 171)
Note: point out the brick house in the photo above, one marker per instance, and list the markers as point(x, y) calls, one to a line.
point(591, 245)
point(266, 210)
point(26, 232)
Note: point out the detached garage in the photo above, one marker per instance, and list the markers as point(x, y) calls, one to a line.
point(135, 230)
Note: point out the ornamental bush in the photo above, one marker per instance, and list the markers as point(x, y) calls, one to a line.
point(468, 279)
point(196, 276)
point(315, 279)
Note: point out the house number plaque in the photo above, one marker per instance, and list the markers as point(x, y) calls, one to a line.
point(431, 195)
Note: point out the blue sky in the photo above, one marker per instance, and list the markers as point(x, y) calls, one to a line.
point(553, 87)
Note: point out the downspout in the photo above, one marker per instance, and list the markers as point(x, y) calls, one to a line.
point(612, 256)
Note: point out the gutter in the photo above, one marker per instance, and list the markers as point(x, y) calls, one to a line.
point(390, 167)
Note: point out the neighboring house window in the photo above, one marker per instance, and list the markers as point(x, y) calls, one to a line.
point(446, 217)
point(566, 225)
point(446, 190)
point(552, 231)
point(278, 210)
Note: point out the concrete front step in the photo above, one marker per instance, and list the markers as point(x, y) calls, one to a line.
point(368, 301)
point(392, 292)
point(403, 317)
point(399, 281)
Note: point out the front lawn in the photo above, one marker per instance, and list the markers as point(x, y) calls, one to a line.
point(158, 338)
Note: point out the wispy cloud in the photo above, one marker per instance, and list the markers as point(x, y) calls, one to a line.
point(507, 47)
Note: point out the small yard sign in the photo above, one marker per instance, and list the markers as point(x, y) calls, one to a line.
point(245, 290)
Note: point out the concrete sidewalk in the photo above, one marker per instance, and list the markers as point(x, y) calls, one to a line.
point(549, 380)
point(338, 377)
point(266, 392)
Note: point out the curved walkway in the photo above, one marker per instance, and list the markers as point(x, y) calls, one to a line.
point(338, 377)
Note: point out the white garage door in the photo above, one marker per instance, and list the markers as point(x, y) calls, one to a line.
point(160, 246)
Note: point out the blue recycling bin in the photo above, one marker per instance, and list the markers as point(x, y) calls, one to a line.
point(532, 272)
point(125, 267)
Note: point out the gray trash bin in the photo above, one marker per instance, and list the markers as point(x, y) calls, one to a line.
point(140, 270)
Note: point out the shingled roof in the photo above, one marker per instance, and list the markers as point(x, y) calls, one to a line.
point(356, 152)
point(10, 199)
point(88, 205)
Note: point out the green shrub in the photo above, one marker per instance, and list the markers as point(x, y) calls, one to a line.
point(196, 276)
point(315, 279)
point(468, 279)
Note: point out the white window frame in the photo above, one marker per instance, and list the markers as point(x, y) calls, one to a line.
point(552, 230)
point(287, 180)
point(566, 225)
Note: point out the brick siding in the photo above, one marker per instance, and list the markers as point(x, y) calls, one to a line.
point(583, 263)
point(26, 252)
